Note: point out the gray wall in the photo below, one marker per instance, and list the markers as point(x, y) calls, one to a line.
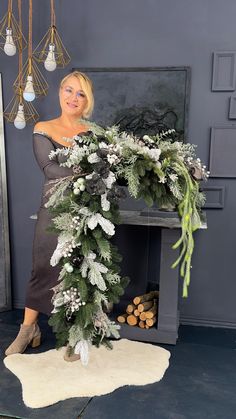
point(137, 33)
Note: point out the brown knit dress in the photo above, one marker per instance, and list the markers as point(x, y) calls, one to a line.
point(43, 275)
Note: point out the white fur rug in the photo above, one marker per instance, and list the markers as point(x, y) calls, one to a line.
point(46, 378)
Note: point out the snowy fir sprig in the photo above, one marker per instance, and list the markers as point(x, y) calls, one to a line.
point(85, 208)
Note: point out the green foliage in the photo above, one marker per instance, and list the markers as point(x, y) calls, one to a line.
point(125, 280)
point(104, 247)
point(85, 198)
point(118, 289)
point(116, 257)
point(157, 170)
point(61, 207)
point(132, 176)
point(84, 315)
point(114, 293)
point(83, 288)
point(88, 243)
point(94, 204)
point(71, 279)
point(148, 198)
point(105, 341)
point(140, 167)
point(60, 328)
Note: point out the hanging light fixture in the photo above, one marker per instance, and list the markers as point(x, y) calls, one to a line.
point(34, 84)
point(18, 111)
point(10, 33)
point(50, 49)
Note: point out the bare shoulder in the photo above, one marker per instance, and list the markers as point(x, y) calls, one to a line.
point(44, 126)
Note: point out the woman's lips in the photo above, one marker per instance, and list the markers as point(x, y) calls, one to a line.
point(71, 105)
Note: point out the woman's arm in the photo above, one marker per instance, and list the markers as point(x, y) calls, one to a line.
point(42, 147)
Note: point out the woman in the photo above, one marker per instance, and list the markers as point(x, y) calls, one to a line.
point(77, 102)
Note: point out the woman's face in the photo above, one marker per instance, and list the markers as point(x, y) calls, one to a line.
point(72, 97)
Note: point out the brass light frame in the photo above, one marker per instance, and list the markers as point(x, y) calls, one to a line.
point(9, 21)
point(52, 36)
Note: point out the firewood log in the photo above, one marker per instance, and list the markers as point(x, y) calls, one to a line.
point(142, 324)
point(146, 297)
point(136, 312)
point(151, 312)
point(130, 308)
point(146, 326)
point(145, 306)
point(142, 315)
point(122, 318)
point(132, 320)
point(151, 322)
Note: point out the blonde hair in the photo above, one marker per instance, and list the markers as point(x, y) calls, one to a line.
point(87, 87)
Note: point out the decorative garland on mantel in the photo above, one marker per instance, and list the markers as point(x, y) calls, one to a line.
point(85, 208)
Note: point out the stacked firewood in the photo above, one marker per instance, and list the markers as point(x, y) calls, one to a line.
point(142, 311)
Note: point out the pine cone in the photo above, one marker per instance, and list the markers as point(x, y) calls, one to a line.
point(196, 172)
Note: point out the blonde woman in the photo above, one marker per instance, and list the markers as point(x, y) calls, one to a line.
point(76, 102)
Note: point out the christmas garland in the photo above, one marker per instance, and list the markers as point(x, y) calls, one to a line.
point(85, 208)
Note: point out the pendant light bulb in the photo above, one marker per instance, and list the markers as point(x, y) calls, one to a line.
point(50, 62)
point(29, 93)
point(9, 46)
point(19, 120)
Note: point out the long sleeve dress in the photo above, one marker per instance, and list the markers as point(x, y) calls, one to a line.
point(43, 275)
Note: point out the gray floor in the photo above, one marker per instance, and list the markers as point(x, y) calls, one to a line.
point(199, 383)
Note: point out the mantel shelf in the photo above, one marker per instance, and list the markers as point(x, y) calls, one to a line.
point(154, 217)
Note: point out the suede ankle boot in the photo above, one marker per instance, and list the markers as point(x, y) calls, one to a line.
point(28, 335)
